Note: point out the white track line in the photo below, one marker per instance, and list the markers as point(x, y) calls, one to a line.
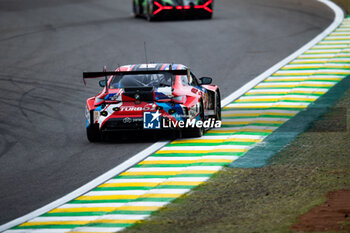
point(339, 16)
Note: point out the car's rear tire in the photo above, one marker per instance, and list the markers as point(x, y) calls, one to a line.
point(93, 133)
point(218, 107)
point(195, 131)
point(149, 12)
point(134, 9)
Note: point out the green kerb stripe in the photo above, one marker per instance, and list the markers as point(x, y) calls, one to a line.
point(130, 212)
point(47, 227)
point(109, 225)
point(73, 214)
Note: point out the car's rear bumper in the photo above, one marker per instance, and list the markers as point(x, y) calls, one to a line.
point(123, 123)
point(182, 13)
point(132, 124)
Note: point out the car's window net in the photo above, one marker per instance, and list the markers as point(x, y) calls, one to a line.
point(141, 80)
point(184, 80)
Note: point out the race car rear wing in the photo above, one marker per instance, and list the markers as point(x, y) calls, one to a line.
point(106, 73)
point(109, 73)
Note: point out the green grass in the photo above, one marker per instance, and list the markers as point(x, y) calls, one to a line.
point(267, 199)
point(345, 4)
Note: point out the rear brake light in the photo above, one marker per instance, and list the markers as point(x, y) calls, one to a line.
point(205, 6)
point(161, 7)
point(187, 7)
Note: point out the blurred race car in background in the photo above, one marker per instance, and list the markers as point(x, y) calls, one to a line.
point(157, 9)
point(159, 96)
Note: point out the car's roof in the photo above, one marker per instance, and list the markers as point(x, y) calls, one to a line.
point(152, 66)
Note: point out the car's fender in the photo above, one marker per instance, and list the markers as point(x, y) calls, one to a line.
point(211, 87)
point(90, 103)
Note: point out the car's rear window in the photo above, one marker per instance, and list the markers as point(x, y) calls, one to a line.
point(140, 80)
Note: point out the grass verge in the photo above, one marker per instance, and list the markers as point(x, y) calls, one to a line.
point(345, 4)
point(267, 199)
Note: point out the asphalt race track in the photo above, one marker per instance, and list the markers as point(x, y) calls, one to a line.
point(45, 45)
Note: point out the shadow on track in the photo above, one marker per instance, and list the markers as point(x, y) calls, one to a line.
point(138, 136)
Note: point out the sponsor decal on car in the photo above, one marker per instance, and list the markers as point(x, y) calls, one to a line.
point(151, 120)
point(96, 116)
point(133, 108)
point(115, 96)
point(127, 120)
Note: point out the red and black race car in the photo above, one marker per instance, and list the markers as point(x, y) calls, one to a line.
point(157, 9)
point(152, 97)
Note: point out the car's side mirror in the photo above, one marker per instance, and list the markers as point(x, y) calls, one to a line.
point(206, 80)
point(102, 83)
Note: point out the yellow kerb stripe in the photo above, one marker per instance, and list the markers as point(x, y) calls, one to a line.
point(215, 140)
point(108, 197)
point(115, 221)
point(317, 85)
point(302, 67)
point(133, 184)
point(267, 92)
point(241, 130)
point(338, 72)
point(139, 208)
point(191, 183)
point(274, 79)
point(307, 62)
point(236, 122)
point(291, 73)
point(309, 92)
point(156, 173)
point(198, 172)
point(330, 39)
point(54, 223)
point(187, 161)
point(290, 106)
point(268, 122)
point(240, 114)
point(299, 99)
point(258, 100)
point(83, 209)
point(247, 107)
point(161, 195)
point(302, 79)
point(279, 114)
point(281, 85)
point(199, 151)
